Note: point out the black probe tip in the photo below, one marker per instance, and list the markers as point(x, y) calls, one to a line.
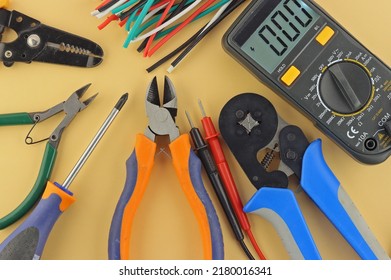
point(121, 101)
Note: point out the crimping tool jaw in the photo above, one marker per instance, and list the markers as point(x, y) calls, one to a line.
point(271, 151)
point(161, 119)
point(250, 125)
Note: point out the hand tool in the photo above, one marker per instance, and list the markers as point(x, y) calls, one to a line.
point(302, 53)
point(39, 42)
point(249, 124)
point(211, 136)
point(188, 171)
point(28, 240)
point(202, 150)
point(71, 107)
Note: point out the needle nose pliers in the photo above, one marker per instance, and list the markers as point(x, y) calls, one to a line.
point(188, 171)
point(71, 107)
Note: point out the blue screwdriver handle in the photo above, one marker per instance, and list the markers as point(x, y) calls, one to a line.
point(28, 240)
point(322, 186)
point(280, 207)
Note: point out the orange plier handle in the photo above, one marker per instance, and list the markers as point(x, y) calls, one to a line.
point(188, 170)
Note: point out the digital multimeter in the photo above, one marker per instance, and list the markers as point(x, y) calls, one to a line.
point(298, 50)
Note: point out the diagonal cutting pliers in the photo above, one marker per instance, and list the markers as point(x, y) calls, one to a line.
point(71, 107)
point(188, 171)
point(250, 124)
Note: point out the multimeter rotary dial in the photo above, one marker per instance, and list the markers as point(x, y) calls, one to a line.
point(345, 87)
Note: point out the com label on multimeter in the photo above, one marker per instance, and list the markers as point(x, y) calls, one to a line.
point(301, 52)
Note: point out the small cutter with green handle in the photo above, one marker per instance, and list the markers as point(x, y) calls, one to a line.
point(71, 107)
point(28, 240)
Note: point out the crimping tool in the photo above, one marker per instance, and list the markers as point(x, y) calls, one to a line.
point(249, 123)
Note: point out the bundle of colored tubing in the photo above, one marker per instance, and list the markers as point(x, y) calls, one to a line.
point(160, 20)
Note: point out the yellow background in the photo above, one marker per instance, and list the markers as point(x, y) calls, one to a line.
point(164, 226)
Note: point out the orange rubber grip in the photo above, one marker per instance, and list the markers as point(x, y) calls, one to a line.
point(66, 199)
point(180, 151)
point(145, 154)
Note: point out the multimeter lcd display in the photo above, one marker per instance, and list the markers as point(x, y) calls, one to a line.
point(279, 32)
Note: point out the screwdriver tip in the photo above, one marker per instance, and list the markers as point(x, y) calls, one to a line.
point(121, 101)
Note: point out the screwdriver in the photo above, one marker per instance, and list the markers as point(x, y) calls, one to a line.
point(211, 136)
point(28, 240)
point(210, 167)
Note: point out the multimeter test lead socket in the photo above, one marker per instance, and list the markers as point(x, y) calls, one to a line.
point(208, 163)
point(28, 240)
point(211, 136)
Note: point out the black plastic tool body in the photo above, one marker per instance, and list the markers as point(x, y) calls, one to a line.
point(39, 42)
point(330, 76)
point(244, 145)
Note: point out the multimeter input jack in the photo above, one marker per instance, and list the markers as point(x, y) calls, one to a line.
point(370, 144)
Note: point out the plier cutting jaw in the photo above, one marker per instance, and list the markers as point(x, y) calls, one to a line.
point(39, 42)
point(161, 119)
point(71, 107)
point(188, 170)
point(273, 200)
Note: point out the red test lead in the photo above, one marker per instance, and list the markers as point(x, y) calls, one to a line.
point(211, 136)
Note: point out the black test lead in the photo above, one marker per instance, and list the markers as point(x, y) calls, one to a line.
point(207, 160)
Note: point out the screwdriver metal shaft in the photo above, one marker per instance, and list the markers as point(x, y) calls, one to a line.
point(95, 141)
point(28, 240)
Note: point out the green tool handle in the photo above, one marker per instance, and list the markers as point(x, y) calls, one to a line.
point(15, 119)
point(37, 190)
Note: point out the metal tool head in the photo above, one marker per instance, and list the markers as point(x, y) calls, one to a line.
point(71, 107)
point(161, 118)
point(39, 42)
point(74, 105)
point(249, 125)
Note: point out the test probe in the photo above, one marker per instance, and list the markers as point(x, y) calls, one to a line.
point(207, 160)
point(211, 136)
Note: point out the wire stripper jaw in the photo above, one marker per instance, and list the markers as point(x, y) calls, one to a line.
point(161, 118)
point(39, 42)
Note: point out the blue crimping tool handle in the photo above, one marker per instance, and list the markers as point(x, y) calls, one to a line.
point(279, 206)
point(325, 190)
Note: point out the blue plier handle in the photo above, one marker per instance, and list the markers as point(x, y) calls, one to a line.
point(322, 186)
